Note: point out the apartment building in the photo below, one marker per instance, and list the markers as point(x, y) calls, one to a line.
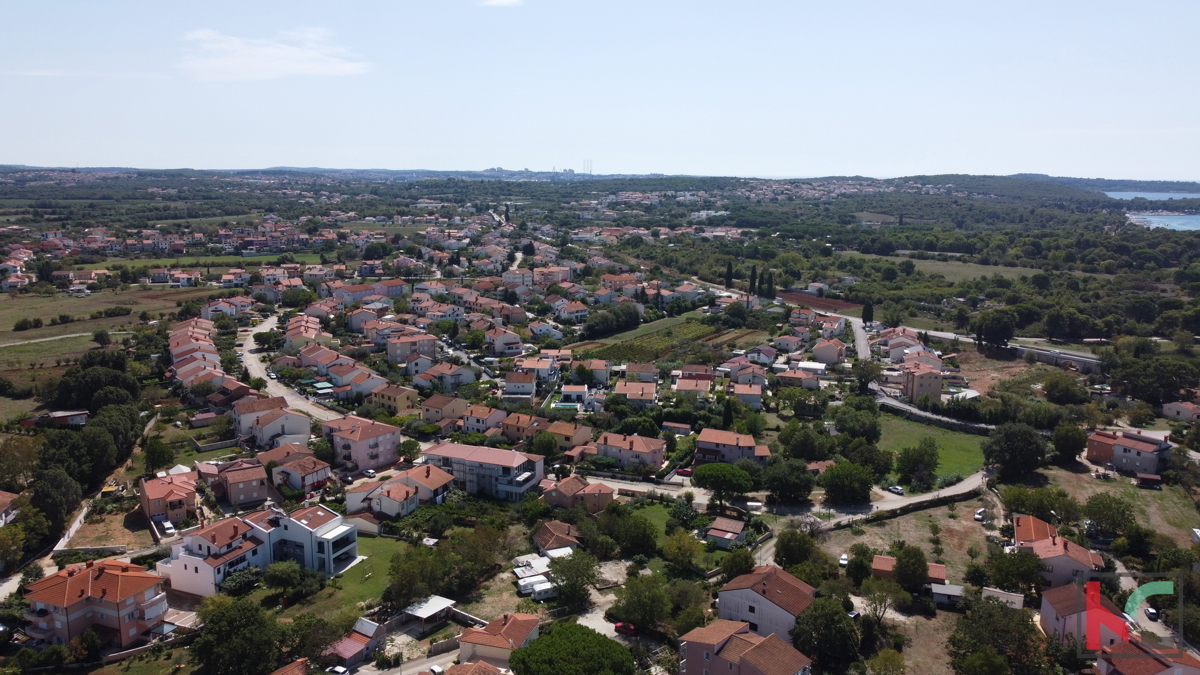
point(730, 647)
point(120, 601)
point(501, 474)
point(365, 443)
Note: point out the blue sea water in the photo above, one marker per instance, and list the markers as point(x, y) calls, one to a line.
point(1154, 196)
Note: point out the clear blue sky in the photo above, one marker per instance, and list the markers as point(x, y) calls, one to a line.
point(728, 87)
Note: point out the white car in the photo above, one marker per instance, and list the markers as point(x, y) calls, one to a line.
point(168, 528)
point(896, 490)
point(844, 559)
point(272, 375)
point(979, 514)
point(369, 473)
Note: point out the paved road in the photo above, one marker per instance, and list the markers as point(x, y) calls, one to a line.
point(766, 553)
point(254, 364)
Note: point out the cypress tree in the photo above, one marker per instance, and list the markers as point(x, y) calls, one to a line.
point(729, 274)
point(754, 280)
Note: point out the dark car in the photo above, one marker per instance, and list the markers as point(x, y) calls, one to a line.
point(626, 628)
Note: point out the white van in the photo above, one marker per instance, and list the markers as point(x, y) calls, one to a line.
point(544, 591)
point(527, 584)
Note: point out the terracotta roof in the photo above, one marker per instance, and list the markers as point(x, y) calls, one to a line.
point(355, 428)
point(1069, 599)
point(305, 465)
point(480, 411)
point(727, 525)
point(563, 428)
point(507, 632)
point(108, 580)
point(725, 438)
point(515, 377)
point(428, 476)
point(313, 516)
point(572, 484)
point(1057, 546)
point(885, 563)
point(773, 656)
point(477, 668)
point(479, 454)
point(277, 455)
point(438, 401)
point(6, 499)
point(780, 588)
point(643, 444)
point(297, 667)
point(167, 487)
point(1161, 662)
point(636, 390)
point(260, 405)
point(715, 632)
point(1029, 529)
point(556, 534)
point(269, 417)
point(347, 647)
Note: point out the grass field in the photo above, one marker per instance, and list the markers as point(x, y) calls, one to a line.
point(651, 346)
point(1169, 511)
point(960, 271)
point(960, 452)
point(222, 262)
point(45, 308)
point(652, 327)
point(658, 515)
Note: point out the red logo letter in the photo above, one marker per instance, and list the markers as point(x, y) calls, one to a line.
point(1098, 616)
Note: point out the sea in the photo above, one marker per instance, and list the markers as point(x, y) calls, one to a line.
point(1172, 222)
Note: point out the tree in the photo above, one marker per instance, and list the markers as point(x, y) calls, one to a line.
point(793, 547)
point(101, 338)
point(158, 455)
point(911, 570)
point(994, 327)
point(238, 639)
point(12, 545)
point(848, 483)
point(1019, 572)
point(410, 450)
point(257, 383)
point(788, 481)
point(859, 569)
point(880, 595)
point(984, 662)
point(643, 601)
point(754, 280)
point(283, 576)
point(729, 274)
point(56, 495)
point(1062, 389)
point(680, 550)
point(887, 662)
point(572, 649)
point(868, 312)
point(725, 480)
point(1018, 449)
point(1111, 514)
point(544, 444)
point(737, 563)
point(988, 624)
point(866, 371)
point(827, 635)
point(86, 647)
point(575, 575)
point(918, 464)
point(637, 534)
point(1068, 440)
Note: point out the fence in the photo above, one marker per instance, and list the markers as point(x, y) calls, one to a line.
point(465, 619)
point(219, 445)
point(896, 408)
point(443, 647)
point(117, 656)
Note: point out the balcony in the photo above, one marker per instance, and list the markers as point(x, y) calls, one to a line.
point(35, 614)
point(39, 633)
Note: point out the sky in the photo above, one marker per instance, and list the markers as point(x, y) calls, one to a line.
point(705, 87)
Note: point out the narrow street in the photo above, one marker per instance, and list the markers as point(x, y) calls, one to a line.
point(254, 364)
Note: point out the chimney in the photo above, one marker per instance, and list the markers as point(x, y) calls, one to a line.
point(91, 563)
point(427, 470)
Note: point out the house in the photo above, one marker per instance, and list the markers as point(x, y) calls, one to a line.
point(497, 640)
point(246, 413)
point(7, 512)
point(519, 385)
point(399, 348)
point(1063, 561)
point(789, 343)
point(730, 647)
point(1182, 410)
point(1027, 529)
point(750, 394)
point(313, 536)
point(1064, 612)
point(768, 599)
point(1129, 451)
point(630, 451)
point(921, 380)
point(556, 534)
point(715, 445)
point(762, 355)
point(170, 498)
point(725, 532)
point(448, 375)
point(366, 444)
point(640, 394)
point(481, 419)
point(441, 407)
point(242, 482)
point(1135, 657)
point(280, 426)
point(693, 388)
point(394, 398)
point(797, 378)
point(882, 567)
point(501, 474)
point(430, 482)
point(359, 645)
point(301, 472)
point(502, 342)
point(569, 435)
point(573, 311)
point(539, 329)
point(1014, 600)
point(577, 491)
point(518, 427)
point(600, 370)
point(829, 352)
point(122, 602)
point(946, 594)
point(641, 372)
point(546, 370)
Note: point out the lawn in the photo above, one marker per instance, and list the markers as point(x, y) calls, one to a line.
point(364, 582)
point(652, 327)
point(658, 515)
point(164, 665)
point(1169, 511)
point(47, 307)
point(960, 452)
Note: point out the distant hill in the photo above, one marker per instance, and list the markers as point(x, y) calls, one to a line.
point(1019, 187)
point(1114, 185)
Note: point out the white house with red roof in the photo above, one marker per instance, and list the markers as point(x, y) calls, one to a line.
point(496, 641)
point(768, 598)
point(715, 445)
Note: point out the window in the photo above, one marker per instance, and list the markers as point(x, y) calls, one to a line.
point(751, 609)
point(707, 657)
point(753, 627)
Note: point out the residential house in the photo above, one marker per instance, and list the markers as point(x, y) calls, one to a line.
point(1064, 612)
point(640, 394)
point(1181, 411)
point(441, 407)
point(768, 599)
point(725, 532)
point(631, 451)
point(715, 445)
point(498, 639)
point(921, 380)
point(246, 413)
point(302, 472)
point(501, 474)
point(398, 349)
point(448, 375)
point(519, 385)
point(502, 342)
point(730, 647)
point(641, 372)
point(750, 394)
point(829, 352)
point(518, 427)
point(366, 444)
point(762, 355)
point(1027, 529)
point(577, 491)
point(482, 419)
point(1137, 657)
point(1063, 561)
point(693, 389)
point(556, 534)
point(242, 482)
point(359, 645)
point(797, 378)
point(789, 343)
point(171, 497)
point(394, 398)
point(883, 567)
point(1129, 451)
point(569, 435)
point(280, 426)
point(121, 602)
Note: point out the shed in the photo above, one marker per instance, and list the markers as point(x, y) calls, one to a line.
point(946, 594)
point(432, 610)
point(1014, 600)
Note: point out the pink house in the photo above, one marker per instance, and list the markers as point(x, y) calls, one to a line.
point(365, 443)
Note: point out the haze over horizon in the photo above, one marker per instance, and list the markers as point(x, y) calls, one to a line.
point(768, 89)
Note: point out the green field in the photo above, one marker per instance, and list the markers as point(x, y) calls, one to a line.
point(652, 327)
point(221, 262)
point(45, 307)
point(960, 452)
point(651, 346)
point(960, 271)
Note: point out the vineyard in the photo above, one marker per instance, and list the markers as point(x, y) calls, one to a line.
point(652, 346)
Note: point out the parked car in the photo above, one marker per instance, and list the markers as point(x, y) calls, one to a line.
point(337, 670)
point(684, 472)
point(896, 490)
point(272, 375)
point(626, 628)
point(369, 473)
point(844, 559)
point(437, 670)
point(979, 514)
point(1152, 614)
point(853, 615)
point(168, 528)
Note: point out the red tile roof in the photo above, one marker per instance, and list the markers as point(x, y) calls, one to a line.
point(777, 586)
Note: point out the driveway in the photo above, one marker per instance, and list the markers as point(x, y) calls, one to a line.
point(253, 362)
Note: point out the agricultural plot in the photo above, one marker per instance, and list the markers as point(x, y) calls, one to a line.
point(652, 346)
